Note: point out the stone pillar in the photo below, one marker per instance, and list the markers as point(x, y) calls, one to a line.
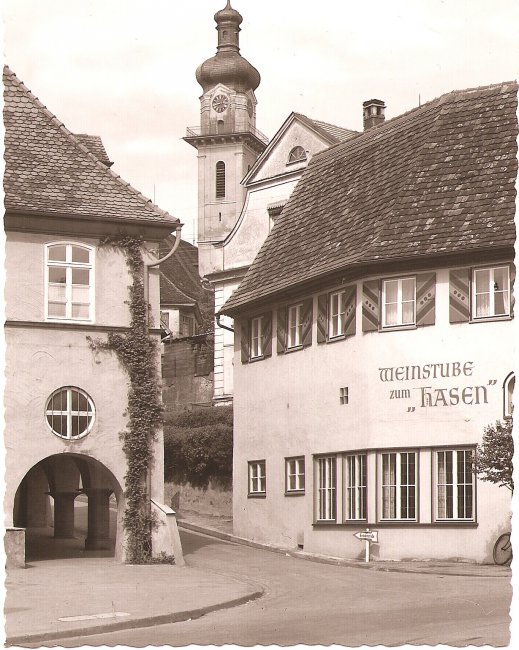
point(64, 514)
point(98, 537)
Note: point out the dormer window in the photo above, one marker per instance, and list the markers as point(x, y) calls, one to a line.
point(298, 154)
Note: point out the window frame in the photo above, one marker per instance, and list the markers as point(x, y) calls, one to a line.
point(259, 338)
point(398, 485)
point(69, 414)
point(302, 155)
point(340, 294)
point(220, 189)
point(473, 294)
point(326, 496)
point(258, 465)
point(69, 265)
point(359, 487)
point(508, 396)
point(399, 303)
point(298, 473)
point(297, 327)
point(455, 486)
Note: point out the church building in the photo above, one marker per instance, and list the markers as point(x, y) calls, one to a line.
point(243, 179)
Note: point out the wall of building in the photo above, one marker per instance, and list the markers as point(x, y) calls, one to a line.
point(288, 405)
point(187, 372)
point(42, 357)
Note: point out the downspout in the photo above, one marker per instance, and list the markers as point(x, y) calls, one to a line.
point(224, 327)
point(146, 287)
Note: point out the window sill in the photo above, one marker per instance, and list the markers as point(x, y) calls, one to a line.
point(336, 339)
point(254, 359)
point(397, 328)
point(296, 348)
point(257, 495)
point(294, 493)
point(490, 319)
point(396, 524)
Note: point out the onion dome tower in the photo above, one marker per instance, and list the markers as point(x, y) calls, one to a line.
point(227, 140)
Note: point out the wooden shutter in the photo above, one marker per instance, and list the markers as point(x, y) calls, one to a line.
point(459, 295)
point(307, 313)
point(350, 304)
point(425, 299)
point(266, 334)
point(370, 306)
point(282, 330)
point(245, 341)
point(322, 318)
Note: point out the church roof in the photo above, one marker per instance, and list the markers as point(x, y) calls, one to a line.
point(330, 131)
point(95, 145)
point(51, 171)
point(437, 180)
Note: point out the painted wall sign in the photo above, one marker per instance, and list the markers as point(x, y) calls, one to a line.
point(431, 396)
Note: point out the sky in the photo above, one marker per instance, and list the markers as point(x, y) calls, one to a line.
point(125, 69)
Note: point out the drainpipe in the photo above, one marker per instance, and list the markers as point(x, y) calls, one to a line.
point(147, 266)
point(224, 327)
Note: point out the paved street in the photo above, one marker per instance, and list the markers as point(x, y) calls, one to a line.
point(312, 603)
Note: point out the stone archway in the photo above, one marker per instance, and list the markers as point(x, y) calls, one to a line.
point(70, 505)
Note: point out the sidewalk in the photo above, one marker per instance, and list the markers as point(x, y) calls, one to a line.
point(53, 599)
point(221, 528)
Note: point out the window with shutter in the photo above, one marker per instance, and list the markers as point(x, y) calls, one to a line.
point(459, 296)
point(425, 299)
point(370, 306)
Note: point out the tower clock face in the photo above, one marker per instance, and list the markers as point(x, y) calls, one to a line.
point(220, 103)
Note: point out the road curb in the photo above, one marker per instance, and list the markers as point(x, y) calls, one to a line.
point(336, 561)
point(148, 621)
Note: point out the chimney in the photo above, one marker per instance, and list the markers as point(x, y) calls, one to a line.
point(373, 113)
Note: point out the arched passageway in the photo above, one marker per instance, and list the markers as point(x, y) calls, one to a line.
point(68, 504)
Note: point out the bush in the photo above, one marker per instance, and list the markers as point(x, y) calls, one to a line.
point(198, 446)
point(494, 456)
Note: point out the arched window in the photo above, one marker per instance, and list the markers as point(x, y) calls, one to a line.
point(298, 154)
point(220, 180)
point(69, 281)
point(508, 395)
point(70, 413)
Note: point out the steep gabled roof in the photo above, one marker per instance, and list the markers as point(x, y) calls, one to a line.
point(180, 282)
point(437, 180)
point(330, 133)
point(50, 171)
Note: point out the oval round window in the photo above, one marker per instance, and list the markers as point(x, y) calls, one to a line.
point(70, 413)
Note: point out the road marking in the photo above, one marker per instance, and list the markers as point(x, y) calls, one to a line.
point(89, 617)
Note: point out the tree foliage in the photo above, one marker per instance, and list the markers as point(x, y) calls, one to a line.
point(494, 457)
point(198, 446)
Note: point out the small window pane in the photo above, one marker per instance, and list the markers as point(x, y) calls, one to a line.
point(392, 314)
point(392, 291)
point(80, 276)
point(408, 289)
point(57, 293)
point(80, 294)
point(57, 274)
point(80, 311)
point(482, 280)
point(57, 310)
point(80, 254)
point(58, 253)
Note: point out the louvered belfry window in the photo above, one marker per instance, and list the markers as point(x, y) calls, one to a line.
point(220, 180)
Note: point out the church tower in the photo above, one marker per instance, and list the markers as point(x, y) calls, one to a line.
point(227, 140)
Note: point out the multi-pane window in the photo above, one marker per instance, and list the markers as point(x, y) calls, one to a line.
point(399, 302)
point(256, 337)
point(69, 282)
point(186, 325)
point(491, 292)
point(220, 179)
point(298, 154)
point(455, 484)
point(327, 488)
point(257, 477)
point(356, 486)
point(399, 485)
point(337, 308)
point(70, 413)
point(343, 395)
point(295, 326)
point(295, 474)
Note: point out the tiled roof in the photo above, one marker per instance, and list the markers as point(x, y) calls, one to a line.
point(437, 180)
point(336, 132)
point(180, 282)
point(50, 171)
point(95, 145)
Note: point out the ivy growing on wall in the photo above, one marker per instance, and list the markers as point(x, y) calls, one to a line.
point(136, 352)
